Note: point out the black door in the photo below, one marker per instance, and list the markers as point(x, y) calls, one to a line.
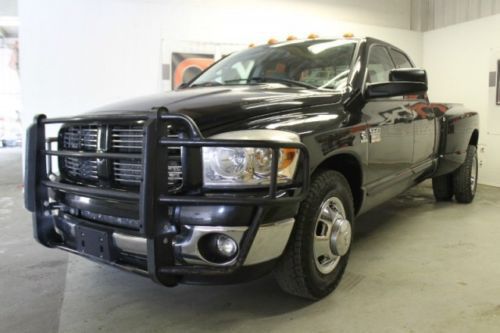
point(390, 131)
point(424, 122)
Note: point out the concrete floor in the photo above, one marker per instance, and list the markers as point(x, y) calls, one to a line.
point(416, 266)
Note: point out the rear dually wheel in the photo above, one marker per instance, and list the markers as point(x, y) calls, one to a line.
point(465, 177)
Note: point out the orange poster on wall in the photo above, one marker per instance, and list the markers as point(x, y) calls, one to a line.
point(186, 66)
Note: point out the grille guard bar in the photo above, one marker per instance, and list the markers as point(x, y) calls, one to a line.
point(152, 197)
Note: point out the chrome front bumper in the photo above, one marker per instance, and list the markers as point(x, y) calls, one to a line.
point(269, 243)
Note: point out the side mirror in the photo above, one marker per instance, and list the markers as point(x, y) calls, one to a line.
point(403, 81)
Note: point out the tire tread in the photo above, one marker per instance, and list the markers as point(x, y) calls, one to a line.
point(461, 178)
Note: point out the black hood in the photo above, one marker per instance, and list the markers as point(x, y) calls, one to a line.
point(215, 107)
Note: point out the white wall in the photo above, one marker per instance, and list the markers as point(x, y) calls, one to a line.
point(457, 59)
point(386, 13)
point(239, 22)
point(76, 55)
point(9, 84)
point(8, 7)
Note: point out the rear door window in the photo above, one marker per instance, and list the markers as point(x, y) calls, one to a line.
point(400, 59)
point(379, 65)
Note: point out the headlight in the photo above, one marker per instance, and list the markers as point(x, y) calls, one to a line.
point(223, 166)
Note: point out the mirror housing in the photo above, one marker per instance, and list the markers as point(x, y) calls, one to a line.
point(408, 74)
point(402, 81)
point(392, 89)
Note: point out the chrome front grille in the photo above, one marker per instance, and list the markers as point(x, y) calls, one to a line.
point(122, 173)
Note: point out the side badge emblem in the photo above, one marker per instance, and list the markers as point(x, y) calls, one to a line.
point(375, 134)
point(364, 136)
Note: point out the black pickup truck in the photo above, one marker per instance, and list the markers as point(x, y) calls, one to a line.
point(260, 164)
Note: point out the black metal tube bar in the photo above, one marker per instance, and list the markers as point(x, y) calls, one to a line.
point(70, 153)
point(91, 191)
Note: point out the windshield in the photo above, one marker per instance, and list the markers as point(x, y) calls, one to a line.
point(309, 64)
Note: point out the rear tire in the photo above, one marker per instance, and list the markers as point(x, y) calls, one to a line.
point(442, 187)
point(465, 177)
point(323, 219)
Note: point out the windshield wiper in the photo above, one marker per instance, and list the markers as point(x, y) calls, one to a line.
point(206, 84)
point(257, 79)
point(282, 80)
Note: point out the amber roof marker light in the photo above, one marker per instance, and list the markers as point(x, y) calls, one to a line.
point(291, 37)
point(348, 35)
point(272, 41)
point(251, 45)
point(313, 36)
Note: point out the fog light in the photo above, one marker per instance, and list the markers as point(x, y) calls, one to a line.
point(226, 246)
point(218, 248)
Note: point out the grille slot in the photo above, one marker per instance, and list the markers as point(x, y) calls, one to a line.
point(127, 172)
point(80, 138)
point(127, 139)
point(81, 168)
point(123, 222)
point(174, 170)
point(175, 175)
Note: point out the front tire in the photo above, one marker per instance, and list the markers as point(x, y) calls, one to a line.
point(465, 177)
point(318, 250)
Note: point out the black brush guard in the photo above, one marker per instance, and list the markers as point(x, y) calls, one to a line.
point(153, 196)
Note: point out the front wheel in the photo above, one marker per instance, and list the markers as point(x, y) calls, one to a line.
point(318, 250)
point(465, 177)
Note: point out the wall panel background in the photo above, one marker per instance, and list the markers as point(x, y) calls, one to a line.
point(434, 14)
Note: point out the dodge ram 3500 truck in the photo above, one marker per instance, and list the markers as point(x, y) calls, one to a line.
point(260, 164)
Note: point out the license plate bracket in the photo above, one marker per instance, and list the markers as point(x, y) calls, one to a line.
point(93, 242)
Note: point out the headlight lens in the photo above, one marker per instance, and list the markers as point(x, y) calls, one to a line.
point(224, 166)
point(228, 162)
point(263, 159)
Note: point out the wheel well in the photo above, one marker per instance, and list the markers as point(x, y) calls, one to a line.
point(474, 139)
point(350, 168)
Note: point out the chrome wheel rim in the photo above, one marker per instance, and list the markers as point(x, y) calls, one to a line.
point(473, 174)
point(332, 235)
